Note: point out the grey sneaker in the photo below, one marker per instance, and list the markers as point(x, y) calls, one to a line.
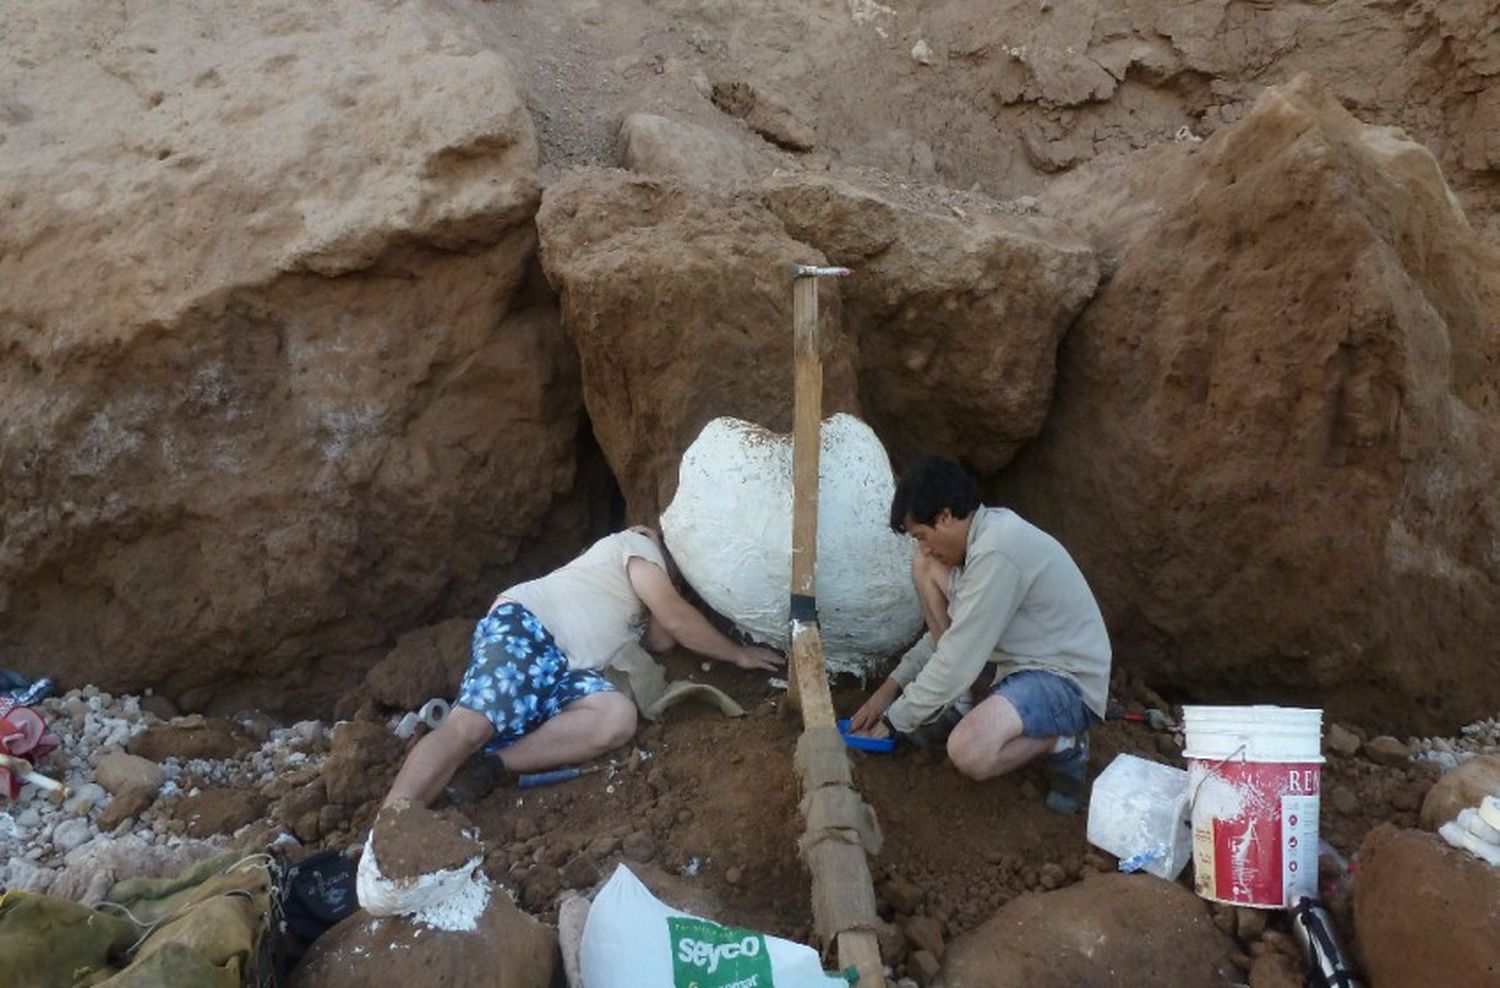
point(1070, 777)
point(933, 736)
point(475, 779)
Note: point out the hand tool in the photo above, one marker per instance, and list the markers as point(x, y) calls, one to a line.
point(531, 780)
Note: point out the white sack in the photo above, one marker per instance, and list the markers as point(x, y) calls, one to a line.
point(730, 529)
point(634, 940)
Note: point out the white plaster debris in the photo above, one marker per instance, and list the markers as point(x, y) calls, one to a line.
point(41, 840)
point(451, 899)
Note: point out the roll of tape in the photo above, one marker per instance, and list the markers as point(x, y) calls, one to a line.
point(434, 712)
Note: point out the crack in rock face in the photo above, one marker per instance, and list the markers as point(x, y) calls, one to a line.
point(730, 530)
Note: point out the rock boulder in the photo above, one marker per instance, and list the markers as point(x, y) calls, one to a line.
point(1272, 447)
point(1460, 789)
point(958, 318)
point(663, 147)
point(506, 949)
point(680, 304)
point(1425, 913)
point(1091, 934)
point(243, 355)
point(426, 663)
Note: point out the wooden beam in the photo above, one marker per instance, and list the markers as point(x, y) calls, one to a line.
point(860, 949)
point(811, 676)
point(807, 427)
point(807, 683)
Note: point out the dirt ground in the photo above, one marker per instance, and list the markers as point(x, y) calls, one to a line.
point(704, 808)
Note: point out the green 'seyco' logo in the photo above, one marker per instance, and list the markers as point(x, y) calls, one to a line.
point(707, 955)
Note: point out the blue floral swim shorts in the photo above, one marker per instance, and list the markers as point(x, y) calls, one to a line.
point(518, 677)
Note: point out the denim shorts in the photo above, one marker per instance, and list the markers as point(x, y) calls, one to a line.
point(1050, 705)
point(518, 677)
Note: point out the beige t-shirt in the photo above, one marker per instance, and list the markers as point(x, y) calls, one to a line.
point(589, 605)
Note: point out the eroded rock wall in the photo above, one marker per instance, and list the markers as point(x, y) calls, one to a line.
point(270, 378)
point(1273, 442)
point(1003, 96)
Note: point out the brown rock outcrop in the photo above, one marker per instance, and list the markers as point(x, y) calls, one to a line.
point(1272, 449)
point(1460, 789)
point(267, 390)
point(958, 319)
point(1090, 934)
point(1425, 913)
point(679, 302)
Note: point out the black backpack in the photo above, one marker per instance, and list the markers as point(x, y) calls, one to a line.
point(307, 898)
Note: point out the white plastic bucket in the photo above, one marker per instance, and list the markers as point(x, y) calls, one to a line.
point(1253, 784)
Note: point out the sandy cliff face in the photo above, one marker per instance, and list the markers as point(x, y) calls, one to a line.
point(269, 385)
point(1003, 96)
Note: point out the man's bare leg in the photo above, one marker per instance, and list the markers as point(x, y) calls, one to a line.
point(988, 742)
point(584, 729)
point(930, 578)
point(438, 755)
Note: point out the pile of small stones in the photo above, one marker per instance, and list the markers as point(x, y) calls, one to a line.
point(40, 836)
point(1479, 738)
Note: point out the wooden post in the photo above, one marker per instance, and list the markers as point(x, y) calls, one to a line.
point(807, 424)
point(807, 684)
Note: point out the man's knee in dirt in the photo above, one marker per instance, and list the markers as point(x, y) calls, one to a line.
point(965, 756)
point(612, 721)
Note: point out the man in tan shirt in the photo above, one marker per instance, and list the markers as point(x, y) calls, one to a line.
point(533, 696)
point(1001, 596)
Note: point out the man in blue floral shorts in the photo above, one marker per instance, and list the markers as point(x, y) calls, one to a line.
point(533, 695)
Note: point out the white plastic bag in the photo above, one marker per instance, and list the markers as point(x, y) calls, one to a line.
point(634, 940)
point(1138, 811)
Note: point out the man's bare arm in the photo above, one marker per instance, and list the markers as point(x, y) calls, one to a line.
point(686, 625)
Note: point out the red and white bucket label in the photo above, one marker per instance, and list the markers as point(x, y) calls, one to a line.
point(1255, 831)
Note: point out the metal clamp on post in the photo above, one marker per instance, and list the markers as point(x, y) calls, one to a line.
point(804, 608)
point(813, 271)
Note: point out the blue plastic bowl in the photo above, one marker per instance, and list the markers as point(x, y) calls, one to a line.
point(879, 746)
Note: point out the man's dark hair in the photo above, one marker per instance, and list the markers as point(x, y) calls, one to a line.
point(930, 485)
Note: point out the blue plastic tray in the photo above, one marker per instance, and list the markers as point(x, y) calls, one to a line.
point(880, 746)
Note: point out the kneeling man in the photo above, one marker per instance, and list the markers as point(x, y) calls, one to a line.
point(533, 695)
point(1003, 601)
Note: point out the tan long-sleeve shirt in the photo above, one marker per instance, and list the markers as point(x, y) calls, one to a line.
point(1019, 601)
